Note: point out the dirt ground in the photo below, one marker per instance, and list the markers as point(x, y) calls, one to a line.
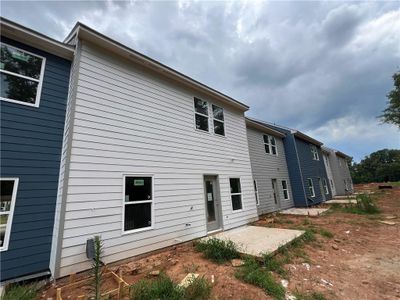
point(361, 260)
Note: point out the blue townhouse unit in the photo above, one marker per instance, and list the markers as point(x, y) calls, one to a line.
point(34, 72)
point(307, 172)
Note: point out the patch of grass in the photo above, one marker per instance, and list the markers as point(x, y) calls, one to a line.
point(275, 264)
point(163, 288)
point(21, 292)
point(311, 296)
point(198, 289)
point(365, 206)
point(325, 233)
point(218, 250)
point(306, 221)
point(251, 272)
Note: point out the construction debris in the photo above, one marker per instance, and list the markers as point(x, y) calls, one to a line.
point(188, 279)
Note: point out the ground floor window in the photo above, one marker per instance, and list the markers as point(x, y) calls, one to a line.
point(256, 192)
point(285, 190)
point(311, 187)
point(138, 202)
point(8, 194)
point(236, 193)
point(326, 190)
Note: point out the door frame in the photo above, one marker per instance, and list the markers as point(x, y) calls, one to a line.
point(275, 193)
point(217, 202)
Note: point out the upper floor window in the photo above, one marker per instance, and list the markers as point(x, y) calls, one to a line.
point(21, 75)
point(314, 152)
point(8, 193)
point(218, 120)
point(201, 114)
point(270, 144)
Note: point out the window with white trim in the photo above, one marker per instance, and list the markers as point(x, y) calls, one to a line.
point(326, 190)
point(331, 181)
point(21, 75)
point(8, 194)
point(270, 144)
point(201, 114)
point(256, 192)
point(218, 120)
point(311, 187)
point(236, 193)
point(314, 152)
point(285, 190)
point(138, 202)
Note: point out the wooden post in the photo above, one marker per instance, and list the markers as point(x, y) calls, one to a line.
point(121, 286)
point(58, 295)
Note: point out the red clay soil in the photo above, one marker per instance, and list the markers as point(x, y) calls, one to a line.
point(361, 261)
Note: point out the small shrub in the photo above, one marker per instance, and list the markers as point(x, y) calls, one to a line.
point(21, 292)
point(326, 233)
point(218, 250)
point(366, 204)
point(162, 288)
point(198, 289)
point(252, 273)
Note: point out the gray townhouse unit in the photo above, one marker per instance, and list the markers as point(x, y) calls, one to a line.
point(151, 157)
point(340, 173)
point(269, 166)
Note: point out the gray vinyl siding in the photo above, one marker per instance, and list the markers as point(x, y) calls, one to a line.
point(265, 167)
point(130, 121)
point(340, 172)
point(31, 141)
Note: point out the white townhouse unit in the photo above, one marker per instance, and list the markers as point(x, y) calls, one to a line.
point(150, 157)
point(270, 172)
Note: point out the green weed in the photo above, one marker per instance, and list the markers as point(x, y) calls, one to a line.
point(21, 292)
point(218, 250)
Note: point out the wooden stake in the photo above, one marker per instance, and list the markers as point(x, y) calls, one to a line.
point(58, 296)
point(121, 286)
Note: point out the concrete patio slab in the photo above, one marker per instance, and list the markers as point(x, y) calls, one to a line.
point(344, 197)
point(313, 212)
point(256, 240)
point(341, 201)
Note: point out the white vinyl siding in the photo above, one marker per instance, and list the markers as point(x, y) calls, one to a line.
point(131, 121)
point(266, 167)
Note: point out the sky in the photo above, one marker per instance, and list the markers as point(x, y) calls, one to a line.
point(323, 68)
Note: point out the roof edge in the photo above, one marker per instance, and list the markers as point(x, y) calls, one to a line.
point(20, 33)
point(258, 125)
point(86, 33)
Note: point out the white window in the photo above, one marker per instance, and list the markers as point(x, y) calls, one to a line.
point(340, 162)
point(311, 187)
point(285, 190)
point(21, 75)
point(201, 114)
point(236, 193)
point(256, 192)
point(326, 190)
point(138, 202)
point(314, 152)
point(270, 144)
point(218, 120)
point(8, 194)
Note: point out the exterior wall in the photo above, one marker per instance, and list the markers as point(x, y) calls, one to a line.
point(329, 171)
point(313, 169)
point(266, 167)
point(31, 139)
point(340, 173)
point(130, 121)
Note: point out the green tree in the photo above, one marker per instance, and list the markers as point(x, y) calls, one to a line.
point(379, 166)
point(391, 114)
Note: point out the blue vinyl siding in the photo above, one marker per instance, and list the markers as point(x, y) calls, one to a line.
point(31, 141)
point(302, 166)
